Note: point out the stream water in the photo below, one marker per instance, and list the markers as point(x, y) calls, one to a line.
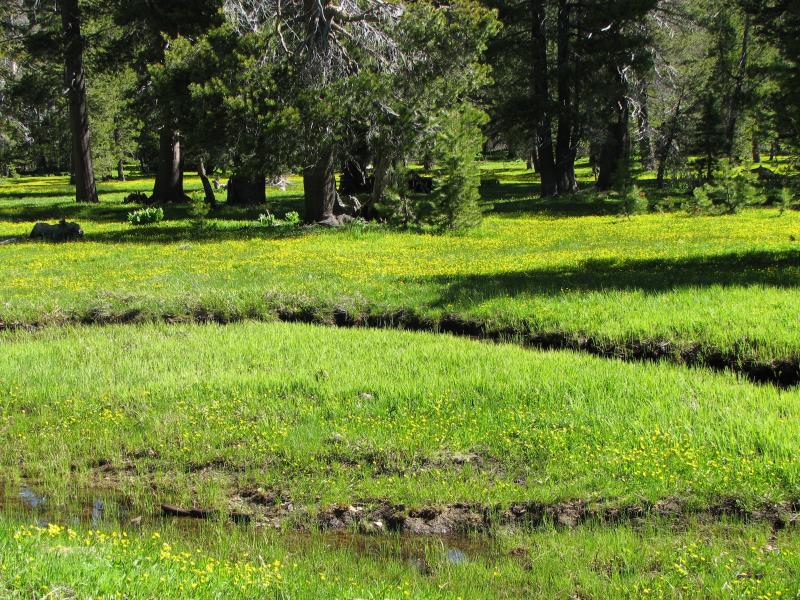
point(98, 509)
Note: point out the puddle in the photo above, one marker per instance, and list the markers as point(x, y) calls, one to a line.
point(420, 552)
point(456, 556)
point(89, 509)
point(97, 509)
point(31, 499)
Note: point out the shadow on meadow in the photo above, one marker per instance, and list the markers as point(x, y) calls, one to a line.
point(209, 232)
point(776, 269)
point(69, 210)
point(517, 199)
point(116, 212)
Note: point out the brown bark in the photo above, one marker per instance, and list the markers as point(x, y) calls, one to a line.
point(208, 190)
point(737, 95)
point(247, 190)
point(169, 177)
point(320, 187)
point(75, 81)
point(564, 159)
point(540, 109)
point(616, 146)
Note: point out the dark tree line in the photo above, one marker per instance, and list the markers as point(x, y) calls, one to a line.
point(256, 88)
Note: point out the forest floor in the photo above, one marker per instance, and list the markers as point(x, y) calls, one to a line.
point(371, 462)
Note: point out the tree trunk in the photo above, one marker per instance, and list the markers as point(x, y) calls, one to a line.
point(737, 94)
point(169, 177)
point(756, 148)
point(564, 164)
point(774, 149)
point(615, 147)
point(247, 190)
point(208, 190)
point(665, 147)
point(354, 178)
point(540, 105)
point(118, 148)
point(320, 188)
point(75, 81)
point(646, 157)
point(532, 162)
point(72, 167)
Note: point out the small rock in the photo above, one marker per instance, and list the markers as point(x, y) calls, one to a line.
point(60, 232)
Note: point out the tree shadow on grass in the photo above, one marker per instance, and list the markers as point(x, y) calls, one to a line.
point(516, 199)
point(775, 269)
point(116, 212)
point(157, 234)
point(101, 213)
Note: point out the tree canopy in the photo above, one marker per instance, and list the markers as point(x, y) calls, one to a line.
point(257, 88)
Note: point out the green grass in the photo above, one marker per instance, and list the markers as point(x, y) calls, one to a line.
point(727, 560)
point(727, 282)
point(195, 414)
point(163, 411)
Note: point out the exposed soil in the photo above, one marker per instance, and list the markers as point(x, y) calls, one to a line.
point(274, 508)
point(783, 372)
point(457, 519)
point(169, 510)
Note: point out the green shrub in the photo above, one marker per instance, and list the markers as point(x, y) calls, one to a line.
point(458, 144)
point(731, 190)
point(198, 207)
point(144, 216)
point(785, 199)
point(634, 202)
point(701, 202)
point(292, 217)
point(268, 219)
point(401, 209)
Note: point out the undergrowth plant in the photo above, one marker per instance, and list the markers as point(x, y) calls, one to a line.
point(634, 201)
point(458, 144)
point(785, 200)
point(267, 219)
point(732, 190)
point(145, 216)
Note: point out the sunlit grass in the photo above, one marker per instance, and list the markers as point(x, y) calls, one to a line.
point(192, 415)
point(198, 412)
point(729, 282)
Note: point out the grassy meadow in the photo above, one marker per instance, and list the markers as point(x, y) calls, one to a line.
point(146, 366)
point(576, 268)
point(196, 414)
